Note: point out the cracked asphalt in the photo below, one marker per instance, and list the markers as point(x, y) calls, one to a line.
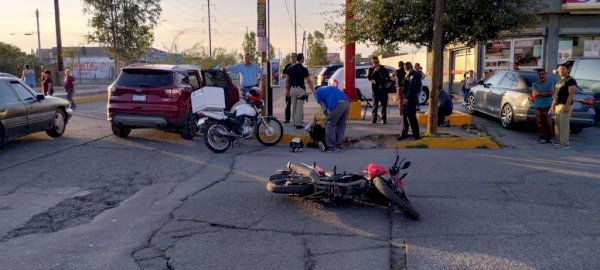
point(90, 200)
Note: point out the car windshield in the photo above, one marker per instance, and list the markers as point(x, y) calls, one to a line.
point(145, 78)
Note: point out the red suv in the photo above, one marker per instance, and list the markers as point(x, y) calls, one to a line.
point(158, 96)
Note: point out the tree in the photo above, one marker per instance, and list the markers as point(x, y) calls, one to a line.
point(12, 59)
point(385, 49)
point(198, 55)
point(123, 27)
point(384, 22)
point(249, 46)
point(316, 50)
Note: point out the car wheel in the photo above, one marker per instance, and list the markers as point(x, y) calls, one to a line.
point(576, 129)
point(470, 105)
point(120, 130)
point(507, 117)
point(190, 129)
point(424, 96)
point(59, 125)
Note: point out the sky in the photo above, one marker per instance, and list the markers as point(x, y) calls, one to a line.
point(230, 19)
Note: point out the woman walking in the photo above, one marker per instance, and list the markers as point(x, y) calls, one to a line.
point(28, 76)
point(70, 87)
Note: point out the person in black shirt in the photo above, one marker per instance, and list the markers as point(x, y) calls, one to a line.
point(412, 86)
point(380, 82)
point(561, 105)
point(296, 75)
point(288, 102)
point(400, 74)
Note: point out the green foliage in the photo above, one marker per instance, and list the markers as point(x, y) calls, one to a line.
point(382, 22)
point(198, 55)
point(123, 27)
point(12, 59)
point(249, 46)
point(317, 51)
point(385, 49)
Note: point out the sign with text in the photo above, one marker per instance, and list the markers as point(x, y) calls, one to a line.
point(263, 44)
point(275, 78)
point(261, 27)
point(580, 4)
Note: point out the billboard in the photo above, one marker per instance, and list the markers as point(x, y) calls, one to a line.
point(580, 4)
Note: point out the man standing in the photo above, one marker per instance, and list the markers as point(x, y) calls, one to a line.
point(561, 106)
point(469, 83)
point(250, 74)
point(288, 102)
point(400, 74)
point(296, 75)
point(337, 106)
point(412, 85)
point(543, 92)
point(380, 82)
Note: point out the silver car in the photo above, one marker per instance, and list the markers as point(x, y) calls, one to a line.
point(507, 96)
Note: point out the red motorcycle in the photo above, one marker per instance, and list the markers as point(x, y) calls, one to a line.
point(312, 182)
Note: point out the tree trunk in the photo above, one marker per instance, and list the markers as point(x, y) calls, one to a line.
point(438, 66)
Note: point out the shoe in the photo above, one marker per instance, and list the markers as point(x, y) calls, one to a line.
point(337, 150)
point(416, 138)
point(329, 150)
point(402, 137)
point(542, 141)
point(299, 127)
point(564, 146)
point(322, 146)
point(286, 121)
point(385, 122)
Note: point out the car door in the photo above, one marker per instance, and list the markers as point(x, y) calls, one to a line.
point(13, 113)
point(494, 98)
point(40, 115)
point(482, 92)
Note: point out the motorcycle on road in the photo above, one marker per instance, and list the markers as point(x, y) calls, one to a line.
point(222, 128)
point(312, 182)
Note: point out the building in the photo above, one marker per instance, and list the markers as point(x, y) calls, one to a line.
point(85, 63)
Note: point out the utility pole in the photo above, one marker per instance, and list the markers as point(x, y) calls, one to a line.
point(37, 17)
point(59, 64)
point(295, 30)
point(438, 68)
point(303, 39)
point(209, 32)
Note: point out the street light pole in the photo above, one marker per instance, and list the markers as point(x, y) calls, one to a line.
point(39, 52)
point(295, 30)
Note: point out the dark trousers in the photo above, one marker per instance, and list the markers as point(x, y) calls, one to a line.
point(384, 104)
point(544, 123)
point(288, 106)
point(442, 113)
point(410, 117)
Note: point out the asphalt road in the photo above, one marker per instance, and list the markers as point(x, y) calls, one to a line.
point(90, 200)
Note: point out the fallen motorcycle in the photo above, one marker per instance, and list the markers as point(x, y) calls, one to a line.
point(312, 182)
point(221, 128)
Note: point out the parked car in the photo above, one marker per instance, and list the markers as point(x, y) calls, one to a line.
point(507, 96)
point(23, 111)
point(363, 86)
point(158, 96)
point(585, 71)
point(325, 74)
point(8, 75)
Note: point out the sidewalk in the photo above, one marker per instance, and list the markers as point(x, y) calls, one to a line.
point(84, 92)
point(363, 134)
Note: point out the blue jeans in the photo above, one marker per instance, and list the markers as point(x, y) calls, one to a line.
point(466, 94)
point(70, 98)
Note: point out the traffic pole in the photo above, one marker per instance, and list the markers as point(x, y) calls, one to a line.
point(349, 71)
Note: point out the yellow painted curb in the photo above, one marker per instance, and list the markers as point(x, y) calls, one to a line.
point(287, 138)
point(354, 113)
point(88, 99)
point(456, 118)
point(450, 143)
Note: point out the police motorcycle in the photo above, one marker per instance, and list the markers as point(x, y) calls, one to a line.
point(221, 128)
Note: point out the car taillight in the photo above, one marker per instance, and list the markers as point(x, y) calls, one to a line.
point(588, 101)
point(336, 83)
point(531, 98)
point(174, 93)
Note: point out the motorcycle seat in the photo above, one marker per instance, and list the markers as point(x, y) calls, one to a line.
point(230, 114)
point(348, 178)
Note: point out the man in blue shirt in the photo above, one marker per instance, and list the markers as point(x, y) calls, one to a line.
point(250, 73)
point(543, 91)
point(337, 106)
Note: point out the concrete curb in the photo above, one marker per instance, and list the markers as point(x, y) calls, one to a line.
point(457, 118)
point(451, 143)
point(90, 98)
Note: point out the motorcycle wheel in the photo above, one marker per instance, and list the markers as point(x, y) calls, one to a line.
point(269, 131)
point(277, 184)
point(402, 202)
point(214, 141)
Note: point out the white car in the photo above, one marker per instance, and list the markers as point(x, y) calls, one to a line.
point(364, 86)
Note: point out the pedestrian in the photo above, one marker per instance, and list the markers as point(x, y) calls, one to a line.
point(419, 69)
point(70, 87)
point(28, 76)
point(412, 85)
point(543, 90)
point(561, 105)
point(296, 75)
point(400, 74)
point(470, 82)
point(380, 82)
point(444, 107)
point(337, 106)
point(47, 85)
point(249, 72)
point(288, 101)
point(317, 128)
